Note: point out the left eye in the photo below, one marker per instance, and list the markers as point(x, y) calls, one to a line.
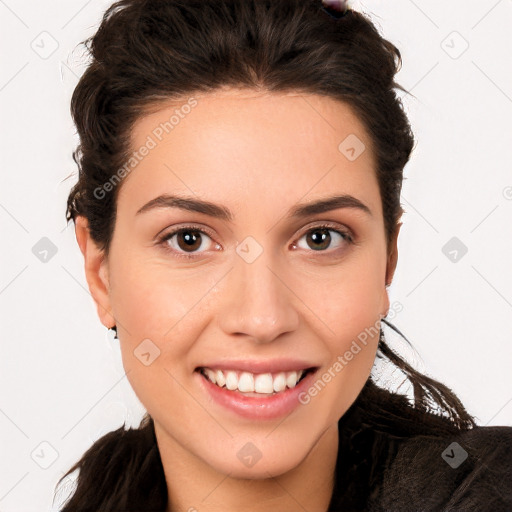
point(320, 236)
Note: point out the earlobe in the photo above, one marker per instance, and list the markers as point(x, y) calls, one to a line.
point(96, 271)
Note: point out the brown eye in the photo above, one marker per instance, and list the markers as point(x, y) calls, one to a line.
point(322, 238)
point(186, 242)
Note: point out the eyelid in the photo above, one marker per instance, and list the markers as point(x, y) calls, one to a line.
point(177, 229)
point(327, 224)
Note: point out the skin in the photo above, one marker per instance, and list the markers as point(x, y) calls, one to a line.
point(257, 154)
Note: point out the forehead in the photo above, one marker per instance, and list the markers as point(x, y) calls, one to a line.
point(234, 143)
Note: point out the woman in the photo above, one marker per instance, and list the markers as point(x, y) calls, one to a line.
point(238, 209)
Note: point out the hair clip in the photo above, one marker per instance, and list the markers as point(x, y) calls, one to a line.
point(335, 8)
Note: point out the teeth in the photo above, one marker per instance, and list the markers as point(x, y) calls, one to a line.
point(246, 382)
point(263, 383)
point(279, 382)
point(291, 379)
point(211, 375)
point(220, 380)
point(231, 380)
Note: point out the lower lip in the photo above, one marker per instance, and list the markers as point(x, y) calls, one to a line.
point(255, 408)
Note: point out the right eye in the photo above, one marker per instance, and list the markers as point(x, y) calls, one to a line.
point(187, 238)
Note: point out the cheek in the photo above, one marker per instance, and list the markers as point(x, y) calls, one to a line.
point(162, 311)
point(348, 298)
point(160, 319)
point(352, 313)
point(149, 297)
point(347, 310)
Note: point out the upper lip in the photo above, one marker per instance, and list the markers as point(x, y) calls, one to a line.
point(263, 366)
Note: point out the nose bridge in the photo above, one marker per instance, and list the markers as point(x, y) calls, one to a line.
point(260, 305)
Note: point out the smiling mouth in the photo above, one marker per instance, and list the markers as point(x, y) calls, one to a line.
point(254, 384)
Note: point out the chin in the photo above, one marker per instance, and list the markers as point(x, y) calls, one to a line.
point(256, 459)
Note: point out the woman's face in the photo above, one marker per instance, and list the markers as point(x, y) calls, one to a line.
point(255, 284)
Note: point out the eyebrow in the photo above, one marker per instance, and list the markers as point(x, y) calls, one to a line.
point(223, 213)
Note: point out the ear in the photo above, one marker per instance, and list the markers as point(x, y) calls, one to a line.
point(96, 271)
point(392, 260)
point(392, 255)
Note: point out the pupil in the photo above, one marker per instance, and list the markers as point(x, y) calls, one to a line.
point(324, 238)
point(190, 239)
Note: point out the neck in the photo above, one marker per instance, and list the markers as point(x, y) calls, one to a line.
point(195, 486)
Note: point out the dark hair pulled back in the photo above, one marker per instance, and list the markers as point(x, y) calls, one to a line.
point(148, 52)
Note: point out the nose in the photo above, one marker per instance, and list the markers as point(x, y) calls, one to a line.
point(258, 302)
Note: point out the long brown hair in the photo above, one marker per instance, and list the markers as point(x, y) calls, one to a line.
point(146, 52)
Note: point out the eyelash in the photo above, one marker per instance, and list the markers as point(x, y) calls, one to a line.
point(165, 238)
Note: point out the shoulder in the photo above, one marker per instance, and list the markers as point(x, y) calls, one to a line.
point(469, 470)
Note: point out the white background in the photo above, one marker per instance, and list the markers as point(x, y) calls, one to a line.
point(62, 382)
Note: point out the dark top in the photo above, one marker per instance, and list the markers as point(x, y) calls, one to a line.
point(380, 469)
